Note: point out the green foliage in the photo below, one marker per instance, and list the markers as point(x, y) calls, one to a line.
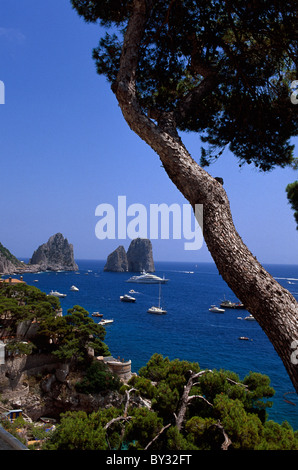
point(78, 431)
point(144, 426)
point(6, 253)
point(223, 69)
point(175, 440)
point(166, 400)
point(170, 378)
point(145, 386)
point(26, 431)
point(174, 372)
point(233, 413)
point(67, 336)
point(98, 379)
point(244, 429)
point(203, 433)
point(292, 194)
point(19, 347)
point(278, 437)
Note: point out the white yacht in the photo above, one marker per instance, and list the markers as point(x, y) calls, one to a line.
point(74, 288)
point(250, 318)
point(56, 294)
point(216, 309)
point(105, 322)
point(127, 298)
point(147, 278)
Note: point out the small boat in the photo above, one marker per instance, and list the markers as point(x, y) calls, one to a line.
point(157, 310)
point(74, 288)
point(215, 309)
point(228, 304)
point(97, 314)
point(250, 318)
point(56, 294)
point(105, 322)
point(127, 298)
point(245, 338)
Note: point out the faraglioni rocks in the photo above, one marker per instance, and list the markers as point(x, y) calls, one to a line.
point(117, 261)
point(55, 255)
point(138, 258)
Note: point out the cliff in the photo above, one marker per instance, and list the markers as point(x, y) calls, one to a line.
point(117, 261)
point(138, 258)
point(55, 255)
point(8, 262)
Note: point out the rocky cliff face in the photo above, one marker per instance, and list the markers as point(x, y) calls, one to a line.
point(8, 262)
point(117, 261)
point(56, 254)
point(138, 258)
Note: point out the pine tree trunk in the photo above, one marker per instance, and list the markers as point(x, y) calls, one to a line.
point(275, 309)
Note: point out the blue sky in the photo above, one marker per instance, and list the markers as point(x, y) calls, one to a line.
point(65, 148)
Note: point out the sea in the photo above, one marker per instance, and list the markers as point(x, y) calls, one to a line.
point(189, 331)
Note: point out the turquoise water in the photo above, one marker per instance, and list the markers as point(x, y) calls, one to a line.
point(188, 331)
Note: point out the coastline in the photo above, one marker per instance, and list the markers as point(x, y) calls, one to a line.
point(188, 331)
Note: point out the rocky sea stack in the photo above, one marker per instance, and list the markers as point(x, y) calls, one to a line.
point(55, 255)
point(117, 260)
point(138, 258)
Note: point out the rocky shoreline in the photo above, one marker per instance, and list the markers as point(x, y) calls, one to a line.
point(56, 394)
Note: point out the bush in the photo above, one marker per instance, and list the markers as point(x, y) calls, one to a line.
point(98, 379)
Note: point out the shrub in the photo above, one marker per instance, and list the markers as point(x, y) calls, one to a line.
point(98, 379)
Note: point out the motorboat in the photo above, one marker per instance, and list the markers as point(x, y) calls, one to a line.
point(105, 322)
point(157, 310)
point(74, 288)
point(244, 338)
point(234, 305)
point(55, 293)
point(127, 298)
point(147, 278)
point(97, 314)
point(250, 318)
point(215, 309)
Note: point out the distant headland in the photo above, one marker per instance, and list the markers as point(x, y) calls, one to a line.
point(54, 255)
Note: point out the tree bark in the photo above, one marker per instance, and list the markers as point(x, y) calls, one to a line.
point(275, 309)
